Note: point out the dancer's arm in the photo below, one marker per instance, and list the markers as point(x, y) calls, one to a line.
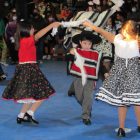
point(109, 36)
point(43, 31)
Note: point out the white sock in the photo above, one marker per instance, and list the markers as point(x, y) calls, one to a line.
point(30, 112)
point(21, 115)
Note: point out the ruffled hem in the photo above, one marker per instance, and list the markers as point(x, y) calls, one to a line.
point(126, 99)
point(28, 100)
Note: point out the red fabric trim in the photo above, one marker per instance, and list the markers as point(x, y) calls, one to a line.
point(91, 54)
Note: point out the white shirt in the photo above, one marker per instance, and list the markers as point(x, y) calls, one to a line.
point(126, 49)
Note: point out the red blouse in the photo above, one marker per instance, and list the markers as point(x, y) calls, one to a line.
point(27, 50)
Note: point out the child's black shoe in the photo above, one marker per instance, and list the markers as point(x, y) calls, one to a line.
point(138, 128)
point(71, 94)
point(121, 132)
point(31, 119)
point(20, 120)
point(87, 121)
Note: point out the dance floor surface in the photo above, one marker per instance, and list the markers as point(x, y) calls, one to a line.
point(59, 116)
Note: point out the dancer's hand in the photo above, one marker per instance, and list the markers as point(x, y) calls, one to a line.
point(87, 24)
point(106, 75)
point(72, 51)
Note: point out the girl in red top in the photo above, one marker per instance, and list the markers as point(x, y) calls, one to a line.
point(28, 86)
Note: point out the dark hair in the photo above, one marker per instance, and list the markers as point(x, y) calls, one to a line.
point(23, 29)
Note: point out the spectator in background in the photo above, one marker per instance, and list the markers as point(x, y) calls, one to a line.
point(41, 8)
point(3, 45)
point(49, 40)
point(135, 12)
point(119, 20)
point(50, 9)
point(2, 74)
point(65, 13)
point(38, 23)
point(90, 6)
point(10, 31)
